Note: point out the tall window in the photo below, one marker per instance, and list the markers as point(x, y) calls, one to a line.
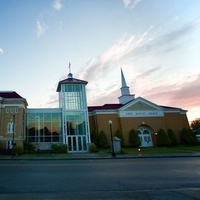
point(10, 127)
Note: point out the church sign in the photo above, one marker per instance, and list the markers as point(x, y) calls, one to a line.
point(154, 113)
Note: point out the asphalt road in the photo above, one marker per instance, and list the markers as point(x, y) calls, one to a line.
point(140, 179)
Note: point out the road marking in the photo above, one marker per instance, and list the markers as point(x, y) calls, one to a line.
point(58, 165)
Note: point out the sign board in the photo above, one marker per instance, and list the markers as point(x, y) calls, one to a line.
point(154, 113)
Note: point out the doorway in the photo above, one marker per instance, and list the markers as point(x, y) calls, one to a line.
point(145, 136)
point(77, 143)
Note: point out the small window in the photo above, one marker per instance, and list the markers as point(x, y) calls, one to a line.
point(11, 109)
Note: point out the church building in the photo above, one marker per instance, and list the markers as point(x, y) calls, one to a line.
point(73, 121)
point(139, 114)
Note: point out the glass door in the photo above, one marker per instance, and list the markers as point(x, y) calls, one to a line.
point(77, 144)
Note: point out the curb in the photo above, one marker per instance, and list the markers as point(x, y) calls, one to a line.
point(83, 157)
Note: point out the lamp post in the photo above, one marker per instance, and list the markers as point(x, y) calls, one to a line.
point(13, 142)
point(113, 151)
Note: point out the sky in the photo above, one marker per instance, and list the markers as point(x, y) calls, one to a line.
point(155, 42)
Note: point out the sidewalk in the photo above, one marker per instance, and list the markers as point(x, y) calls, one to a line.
point(89, 156)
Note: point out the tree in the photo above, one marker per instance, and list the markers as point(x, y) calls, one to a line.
point(163, 139)
point(188, 137)
point(195, 124)
point(134, 139)
point(172, 137)
point(119, 134)
point(95, 137)
point(103, 140)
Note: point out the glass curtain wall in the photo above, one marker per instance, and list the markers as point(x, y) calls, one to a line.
point(43, 127)
point(75, 116)
point(74, 95)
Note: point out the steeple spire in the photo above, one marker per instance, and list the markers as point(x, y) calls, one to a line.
point(125, 93)
point(124, 88)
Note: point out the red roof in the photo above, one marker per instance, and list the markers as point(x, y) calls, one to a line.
point(105, 107)
point(10, 95)
point(70, 81)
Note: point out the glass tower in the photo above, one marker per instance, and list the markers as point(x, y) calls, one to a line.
point(75, 123)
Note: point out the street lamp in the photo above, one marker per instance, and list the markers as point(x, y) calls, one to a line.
point(113, 152)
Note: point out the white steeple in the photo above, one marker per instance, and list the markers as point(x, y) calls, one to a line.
point(125, 93)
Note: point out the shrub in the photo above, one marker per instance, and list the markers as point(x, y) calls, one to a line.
point(122, 151)
point(95, 137)
point(194, 138)
point(163, 139)
point(18, 150)
point(59, 148)
point(188, 137)
point(93, 148)
point(28, 147)
point(119, 134)
point(172, 137)
point(134, 139)
point(103, 140)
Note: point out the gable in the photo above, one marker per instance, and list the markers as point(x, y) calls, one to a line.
point(140, 108)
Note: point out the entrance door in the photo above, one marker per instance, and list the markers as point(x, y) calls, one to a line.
point(145, 136)
point(77, 143)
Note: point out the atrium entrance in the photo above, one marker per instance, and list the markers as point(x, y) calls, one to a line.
point(77, 143)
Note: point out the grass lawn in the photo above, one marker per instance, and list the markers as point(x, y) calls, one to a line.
point(162, 150)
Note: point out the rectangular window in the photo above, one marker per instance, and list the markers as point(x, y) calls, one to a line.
point(7, 110)
point(12, 110)
point(16, 109)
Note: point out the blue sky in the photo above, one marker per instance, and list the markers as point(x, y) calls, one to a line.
point(155, 42)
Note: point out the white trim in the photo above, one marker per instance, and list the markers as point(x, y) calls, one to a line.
point(102, 112)
point(138, 99)
point(42, 110)
point(176, 111)
point(13, 105)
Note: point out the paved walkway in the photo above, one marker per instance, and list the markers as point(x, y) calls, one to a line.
point(84, 156)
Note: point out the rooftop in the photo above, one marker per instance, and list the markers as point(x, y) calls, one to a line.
point(10, 95)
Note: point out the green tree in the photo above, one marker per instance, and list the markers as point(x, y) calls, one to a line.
point(188, 137)
point(195, 124)
point(172, 137)
point(163, 139)
point(119, 134)
point(95, 137)
point(103, 140)
point(134, 139)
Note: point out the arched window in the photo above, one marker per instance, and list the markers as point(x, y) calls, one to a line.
point(144, 132)
point(10, 127)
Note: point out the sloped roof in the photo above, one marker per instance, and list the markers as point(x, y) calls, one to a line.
point(70, 81)
point(117, 106)
point(169, 107)
point(105, 107)
point(10, 95)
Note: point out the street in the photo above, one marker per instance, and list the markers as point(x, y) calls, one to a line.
point(149, 178)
